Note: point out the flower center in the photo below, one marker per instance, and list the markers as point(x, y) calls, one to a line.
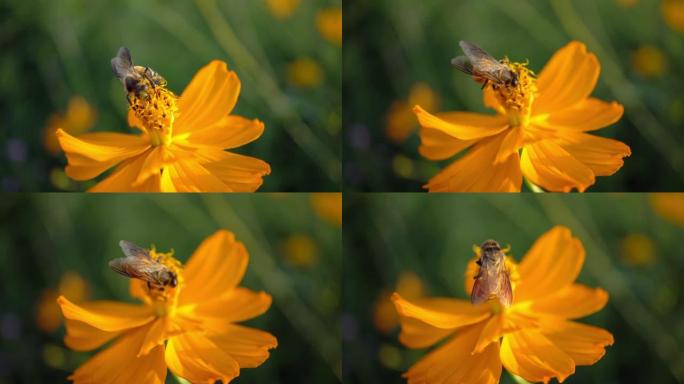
point(517, 98)
point(164, 296)
point(156, 108)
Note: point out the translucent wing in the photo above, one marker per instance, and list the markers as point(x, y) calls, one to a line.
point(479, 294)
point(505, 290)
point(132, 250)
point(482, 63)
point(462, 64)
point(122, 63)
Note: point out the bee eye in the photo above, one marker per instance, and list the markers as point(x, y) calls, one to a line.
point(131, 84)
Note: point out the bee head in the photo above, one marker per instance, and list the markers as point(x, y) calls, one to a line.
point(134, 85)
point(490, 245)
point(514, 79)
point(173, 282)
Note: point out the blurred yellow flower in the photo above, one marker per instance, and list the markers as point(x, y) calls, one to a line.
point(669, 206)
point(539, 131)
point(400, 119)
point(329, 23)
point(282, 9)
point(385, 319)
point(80, 117)
point(534, 338)
point(48, 314)
point(300, 250)
point(304, 73)
point(328, 206)
point(190, 328)
point(673, 13)
point(637, 249)
point(649, 61)
point(182, 145)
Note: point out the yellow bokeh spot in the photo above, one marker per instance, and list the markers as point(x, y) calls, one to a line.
point(400, 121)
point(48, 313)
point(80, 116)
point(73, 287)
point(385, 318)
point(304, 73)
point(626, 3)
point(649, 61)
point(673, 13)
point(389, 356)
point(403, 166)
point(637, 249)
point(54, 356)
point(669, 206)
point(329, 23)
point(328, 206)
point(300, 250)
point(282, 9)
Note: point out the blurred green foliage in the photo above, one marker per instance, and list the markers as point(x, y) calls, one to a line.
point(54, 50)
point(43, 236)
point(390, 45)
point(388, 236)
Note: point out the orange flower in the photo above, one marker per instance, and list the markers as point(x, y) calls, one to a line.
point(534, 338)
point(190, 328)
point(539, 132)
point(329, 23)
point(181, 148)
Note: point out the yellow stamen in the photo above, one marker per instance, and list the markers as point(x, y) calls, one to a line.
point(517, 99)
point(156, 108)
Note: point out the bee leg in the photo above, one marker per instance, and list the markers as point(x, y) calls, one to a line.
point(485, 84)
point(148, 75)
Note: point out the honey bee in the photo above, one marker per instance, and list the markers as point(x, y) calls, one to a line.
point(493, 279)
point(137, 80)
point(138, 264)
point(483, 67)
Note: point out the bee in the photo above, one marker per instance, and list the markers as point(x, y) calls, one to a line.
point(483, 67)
point(138, 264)
point(493, 279)
point(137, 80)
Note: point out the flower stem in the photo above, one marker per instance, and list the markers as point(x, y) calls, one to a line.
point(518, 379)
point(533, 187)
point(180, 380)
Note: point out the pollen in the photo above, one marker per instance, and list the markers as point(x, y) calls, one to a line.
point(165, 299)
point(517, 99)
point(156, 108)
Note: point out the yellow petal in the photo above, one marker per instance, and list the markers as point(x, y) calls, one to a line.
point(571, 302)
point(118, 364)
point(512, 142)
point(553, 263)
point(532, 356)
point(248, 346)
point(124, 178)
point(83, 337)
point(568, 78)
point(210, 96)
point(229, 132)
point(604, 156)
point(240, 173)
point(437, 145)
point(476, 171)
point(239, 304)
point(585, 344)
point(462, 125)
point(197, 359)
point(217, 265)
point(93, 153)
point(161, 329)
point(491, 101)
point(418, 334)
point(190, 176)
point(589, 115)
point(134, 121)
point(110, 316)
point(453, 362)
point(440, 312)
point(548, 165)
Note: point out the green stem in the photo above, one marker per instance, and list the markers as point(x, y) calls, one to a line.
point(518, 379)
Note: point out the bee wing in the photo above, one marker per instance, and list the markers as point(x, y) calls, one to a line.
point(479, 294)
point(505, 290)
point(462, 64)
point(132, 250)
point(482, 63)
point(137, 267)
point(122, 63)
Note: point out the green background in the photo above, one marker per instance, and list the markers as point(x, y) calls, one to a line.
point(44, 235)
point(391, 44)
point(433, 237)
point(53, 50)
